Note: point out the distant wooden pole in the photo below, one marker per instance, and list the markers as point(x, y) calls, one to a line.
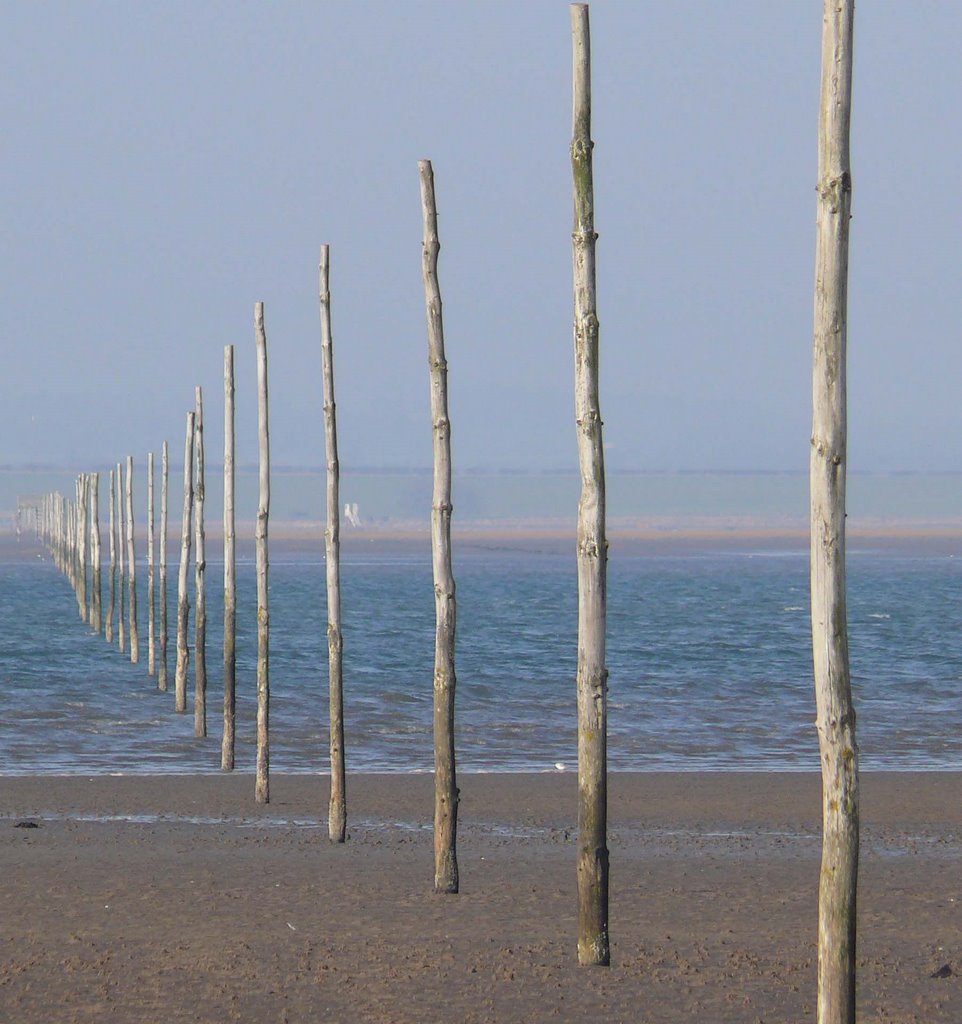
point(446, 793)
point(72, 556)
point(337, 813)
point(230, 576)
point(592, 675)
point(200, 570)
point(835, 716)
point(151, 594)
point(262, 782)
point(96, 586)
point(132, 565)
point(112, 584)
point(121, 533)
point(83, 488)
point(183, 599)
point(164, 475)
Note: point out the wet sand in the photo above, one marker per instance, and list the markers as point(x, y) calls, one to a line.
point(173, 898)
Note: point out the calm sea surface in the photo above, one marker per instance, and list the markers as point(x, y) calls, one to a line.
point(709, 658)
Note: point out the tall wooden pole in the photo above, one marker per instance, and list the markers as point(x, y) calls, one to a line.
point(132, 565)
point(337, 812)
point(96, 592)
point(112, 584)
point(83, 488)
point(164, 476)
point(200, 570)
point(262, 780)
point(230, 569)
point(446, 793)
point(592, 675)
point(121, 547)
point(151, 592)
point(183, 599)
point(73, 556)
point(835, 715)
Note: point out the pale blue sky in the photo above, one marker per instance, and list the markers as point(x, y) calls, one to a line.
point(165, 165)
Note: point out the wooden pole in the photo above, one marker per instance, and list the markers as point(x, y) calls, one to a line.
point(72, 556)
point(122, 589)
point(164, 475)
point(337, 812)
point(82, 541)
point(183, 599)
point(446, 793)
point(835, 715)
point(151, 593)
point(96, 585)
point(592, 675)
point(230, 575)
point(112, 584)
point(262, 781)
point(200, 569)
point(132, 565)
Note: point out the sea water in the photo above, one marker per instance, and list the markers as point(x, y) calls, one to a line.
point(709, 655)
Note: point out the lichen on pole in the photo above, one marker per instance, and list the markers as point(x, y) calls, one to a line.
point(835, 711)
point(446, 795)
point(592, 674)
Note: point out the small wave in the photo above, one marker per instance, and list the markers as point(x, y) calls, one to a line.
point(793, 608)
point(879, 615)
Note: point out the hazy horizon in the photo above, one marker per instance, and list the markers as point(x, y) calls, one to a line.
point(662, 501)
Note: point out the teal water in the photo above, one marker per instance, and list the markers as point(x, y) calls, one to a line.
point(708, 652)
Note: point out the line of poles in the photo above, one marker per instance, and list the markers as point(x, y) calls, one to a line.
point(71, 531)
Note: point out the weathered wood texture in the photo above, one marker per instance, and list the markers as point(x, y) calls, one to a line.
point(132, 565)
point(112, 581)
point(262, 774)
point(151, 589)
point(83, 490)
point(121, 561)
point(835, 712)
point(337, 810)
point(230, 568)
point(200, 571)
point(96, 584)
point(164, 477)
point(446, 794)
point(592, 675)
point(183, 597)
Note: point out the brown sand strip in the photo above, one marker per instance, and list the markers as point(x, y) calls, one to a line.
point(254, 917)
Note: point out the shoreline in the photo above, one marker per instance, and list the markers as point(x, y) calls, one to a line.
point(183, 900)
point(889, 798)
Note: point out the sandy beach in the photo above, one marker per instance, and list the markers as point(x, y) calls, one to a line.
point(176, 898)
